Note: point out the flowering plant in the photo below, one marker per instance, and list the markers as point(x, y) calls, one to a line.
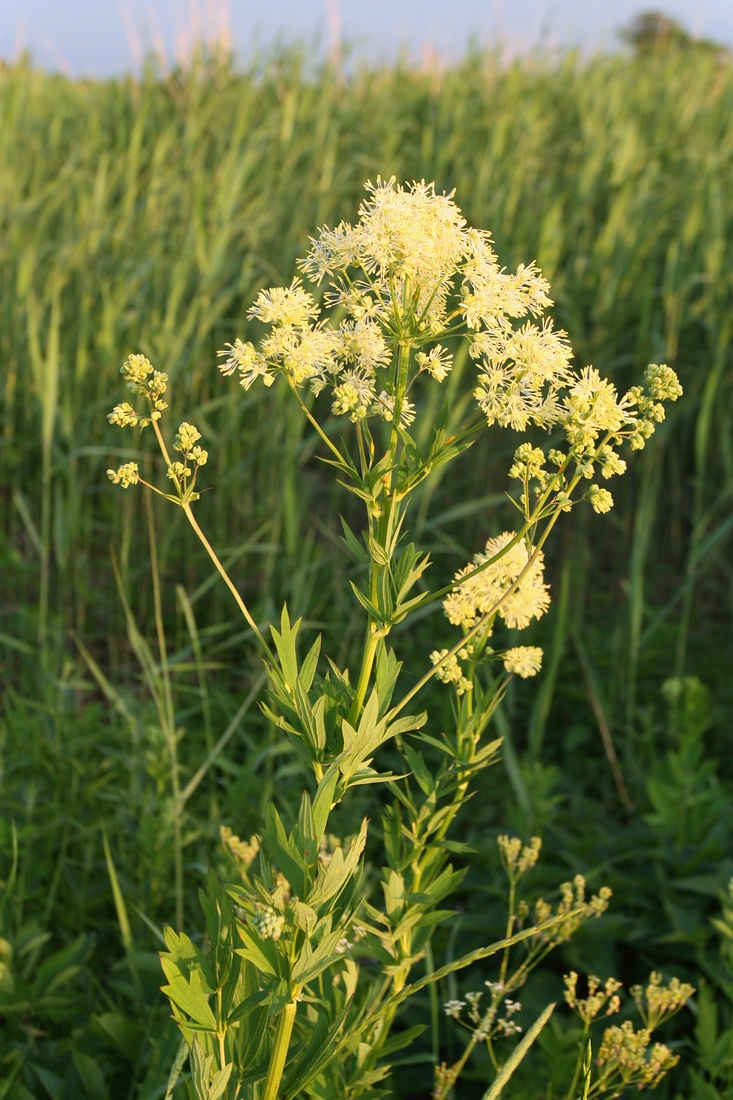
point(308, 964)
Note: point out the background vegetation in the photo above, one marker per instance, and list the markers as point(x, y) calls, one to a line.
point(143, 215)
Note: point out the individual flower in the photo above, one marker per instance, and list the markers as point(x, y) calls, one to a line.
point(523, 660)
point(288, 306)
point(185, 438)
point(126, 475)
point(437, 362)
point(450, 671)
point(600, 499)
point(250, 364)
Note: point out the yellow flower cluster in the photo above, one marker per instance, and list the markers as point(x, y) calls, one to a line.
point(599, 996)
point(659, 1001)
point(626, 1052)
point(573, 909)
point(151, 384)
point(409, 271)
point(518, 858)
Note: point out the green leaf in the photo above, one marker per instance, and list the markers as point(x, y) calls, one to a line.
point(261, 953)
point(91, 1076)
point(352, 542)
point(316, 1056)
point(324, 800)
point(310, 664)
point(313, 962)
point(187, 994)
point(377, 551)
point(516, 1056)
point(332, 879)
point(418, 767)
point(285, 645)
point(366, 603)
point(284, 852)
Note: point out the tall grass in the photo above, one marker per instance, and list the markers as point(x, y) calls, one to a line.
point(143, 215)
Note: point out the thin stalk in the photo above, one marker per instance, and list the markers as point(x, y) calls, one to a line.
point(168, 716)
point(229, 583)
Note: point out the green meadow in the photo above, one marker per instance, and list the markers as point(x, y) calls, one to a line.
point(144, 216)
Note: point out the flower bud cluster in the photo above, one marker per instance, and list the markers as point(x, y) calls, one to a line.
point(518, 858)
point(599, 996)
point(151, 384)
point(573, 909)
point(657, 1002)
point(625, 1052)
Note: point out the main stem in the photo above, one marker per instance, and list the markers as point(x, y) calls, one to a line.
point(280, 1053)
point(383, 535)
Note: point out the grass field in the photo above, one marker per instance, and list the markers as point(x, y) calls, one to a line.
point(145, 216)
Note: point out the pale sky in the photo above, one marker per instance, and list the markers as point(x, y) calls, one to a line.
point(105, 37)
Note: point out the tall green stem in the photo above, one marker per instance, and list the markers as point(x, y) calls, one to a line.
point(280, 1053)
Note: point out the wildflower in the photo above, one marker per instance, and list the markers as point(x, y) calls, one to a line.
point(177, 471)
point(611, 464)
point(354, 396)
point(529, 462)
point(437, 362)
point(124, 415)
point(450, 671)
point(478, 595)
point(453, 1008)
point(242, 850)
point(387, 404)
point(248, 361)
point(362, 343)
point(517, 858)
point(523, 660)
point(286, 306)
point(658, 1001)
point(185, 438)
point(600, 499)
point(126, 475)
point(598, 996)
point(662, 382)
point(136, 369)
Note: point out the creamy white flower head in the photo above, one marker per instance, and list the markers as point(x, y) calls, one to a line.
point(491, 296)
point(478, 595)
point(354, 395)
point(591, 408)
point(303, 352)
point(523, 660)
point(437, 362)
point(362, 344)
point(285, 305)
point(522, 374)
